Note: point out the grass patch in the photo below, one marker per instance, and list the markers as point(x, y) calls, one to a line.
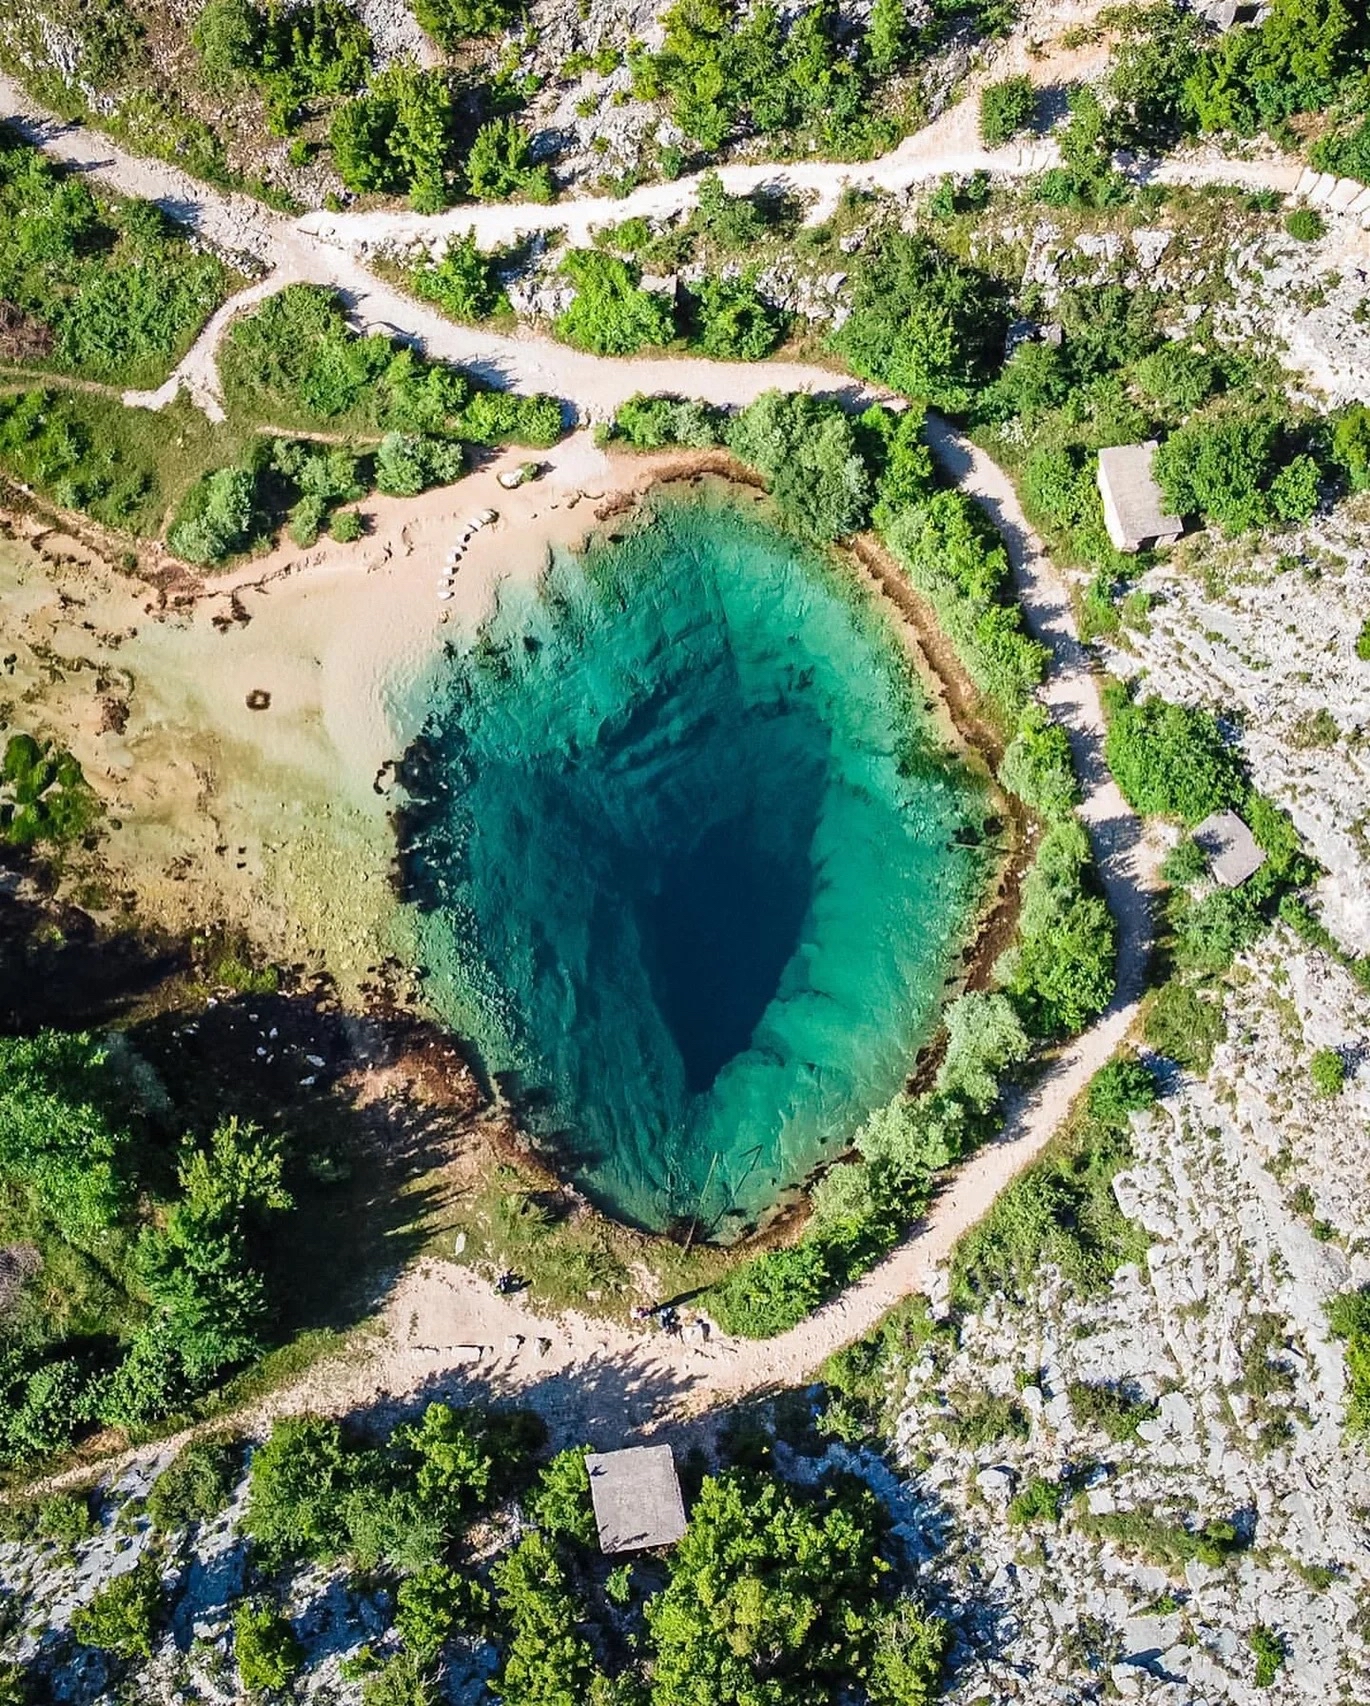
point(1062, 1210)
point(1110, 1409)
point(1167, 1545)
point(863, 1380)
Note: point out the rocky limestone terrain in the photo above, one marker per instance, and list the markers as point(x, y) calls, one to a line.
point(1249, 1191)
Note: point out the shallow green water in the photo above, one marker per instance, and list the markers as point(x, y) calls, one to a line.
point(685, 861)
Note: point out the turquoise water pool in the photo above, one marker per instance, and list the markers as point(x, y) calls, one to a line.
point(688, 863)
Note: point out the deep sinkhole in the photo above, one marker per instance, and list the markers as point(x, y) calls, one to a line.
point(687, 862)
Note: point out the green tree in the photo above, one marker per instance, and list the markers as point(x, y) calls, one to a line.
point(500, 165)
point(433, 1602)
point(1037, 765)
point(922, 322)
point(410, 462)
point(297, 1484)
point(452, 1461)
point(1171, 760)
point(464, 283)
point(985, 1038)
point(807, 453)
point(887, 37)
point(1006, 108)
point(1351, 445)
point(547, 1662)
point(560, 1502)
point(218, 519)
point(122, 1616)
point(264, 1646)
point(611, 314)
point(1062, 966)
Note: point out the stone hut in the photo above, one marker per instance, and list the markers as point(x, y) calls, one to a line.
point(1133, 505)
point(1233, 852)
point(636, 1495)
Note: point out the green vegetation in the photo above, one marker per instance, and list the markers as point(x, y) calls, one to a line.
point(1185, 1024)
point(772, 1586)
point(807, 453)
point(499, 166)
point(464, 283)
point(1062, 1209)
point(1167, 1545)
point(1006, 108)
point(450, 22)
point(264, 1645)
point(1327, 1069)
point(864, 1382)
point(1306, 224)
point(611, 314)
point(1269, 1651)
point(1110, 1409)
point(103, 287)
point(1039, 1501)
point(1237, 468)
point(122, 1617)
point(954, 557)
point(922, 322)
point(398, 138)
point(44, 798)
point(1171, 760)
point(1037, 765)
point(1348, 1319)
point(300, 57)
point(1061, 968)
point(195, 1486)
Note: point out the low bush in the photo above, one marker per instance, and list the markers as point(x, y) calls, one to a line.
point(44, 796)
point(1327, 1069)
point(772, 1293)
point(464, 283)
point(265, 1648)
point(1269, 1652)
point(611, 314)
point(863, 1380)
point(731, 322)
point(122, 1616)
point(982, 1418)
point(1109, 1409)
point(1185, 1024)
point(1006, 107)
point(1305, 224)
point(196, 1485)
point(1348, 1319)
point(1168, 1545)
point(652, 423)
point(1171, 760)
point(1039, 1501)
point(219, 517)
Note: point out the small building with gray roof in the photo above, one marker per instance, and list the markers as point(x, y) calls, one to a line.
point(636, 1495)
point(1232, 850)
point(1134, 508)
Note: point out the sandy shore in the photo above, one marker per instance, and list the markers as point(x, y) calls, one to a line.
point(275, 819)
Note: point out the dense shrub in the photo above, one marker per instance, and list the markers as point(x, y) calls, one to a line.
point(1327, 1069)
point(922, 322)
point(1236, 469)
point(985, 1039)
point(111, 289)
point(1185, 1024)
point(560, 1502)
point(732, 322)
point(1256, 79)
point(264, 1647)
point(1172, 760)
point(1348, 1319)
point(499, 166)
point(1109, 1408)
point(464, 283)
point(217, 518)
point(1006, 108)
point(652, 423)
point(953, 556)
point(450, 22)
point(122, 1616)
point(195, 1485)
point(397, 137)
point(772, 1293)
point(611, 314)
point(806, 451)
point(1037, 765)
point(410, 462)
point(1305, 224)
point(1061, 967)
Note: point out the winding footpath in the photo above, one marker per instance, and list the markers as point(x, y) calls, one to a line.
point(442, 1329)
